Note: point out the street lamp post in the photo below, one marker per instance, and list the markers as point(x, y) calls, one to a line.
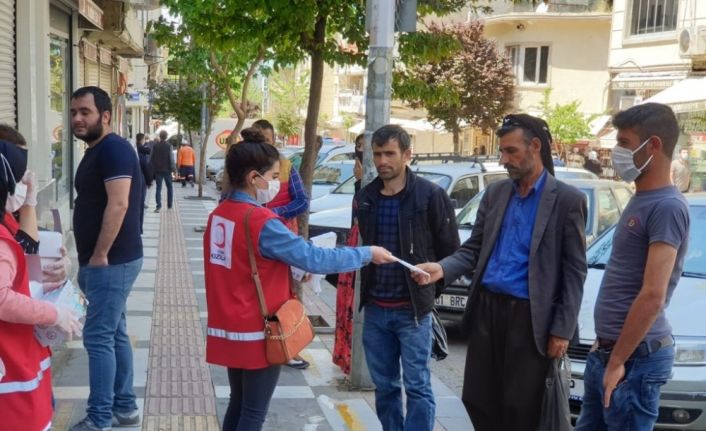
point(381, 23)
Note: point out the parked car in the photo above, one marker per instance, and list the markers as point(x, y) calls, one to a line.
point(341, 196)
point(461, 181)
point(683, 398)
point(328, 176)
point(328, 153)
point(605, 199)
point(215, 163)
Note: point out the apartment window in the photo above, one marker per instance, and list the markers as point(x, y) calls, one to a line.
point(653, 16)
point(530, 64)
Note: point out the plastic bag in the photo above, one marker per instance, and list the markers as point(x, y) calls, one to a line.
point(439, 345)
point(556, 415)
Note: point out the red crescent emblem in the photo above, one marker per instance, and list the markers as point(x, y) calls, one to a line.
point(220, 233)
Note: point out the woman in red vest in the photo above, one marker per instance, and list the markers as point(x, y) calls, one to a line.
point(25, 385)
point(235, 334)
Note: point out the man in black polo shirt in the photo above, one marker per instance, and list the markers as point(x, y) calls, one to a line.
point(107, 231)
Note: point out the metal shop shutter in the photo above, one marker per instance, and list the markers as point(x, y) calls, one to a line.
point(8, 81)
point(106, 78)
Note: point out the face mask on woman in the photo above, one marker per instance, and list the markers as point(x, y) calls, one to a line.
point(14, 202)
point(266, 195)
point(624, 163)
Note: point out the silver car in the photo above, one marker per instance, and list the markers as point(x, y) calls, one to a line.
point(683, 398)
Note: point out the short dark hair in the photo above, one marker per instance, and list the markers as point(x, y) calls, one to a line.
point(263, 124)
point(252, 153)
point(10, 134)
point(163, 135)
point(358, 138)
point(392, 131)
point(100, 98)
point(651, 119)
point(139, 137)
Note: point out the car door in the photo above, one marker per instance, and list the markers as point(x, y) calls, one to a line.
point(608, 210)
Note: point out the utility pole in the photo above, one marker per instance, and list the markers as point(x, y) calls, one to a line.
point(380, 18)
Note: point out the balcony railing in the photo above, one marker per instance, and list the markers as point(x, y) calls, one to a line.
point(559, 6)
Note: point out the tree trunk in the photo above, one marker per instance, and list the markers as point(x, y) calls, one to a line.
point(312, 116)
point(457, 141)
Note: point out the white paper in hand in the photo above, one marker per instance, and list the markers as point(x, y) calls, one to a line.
point(411, 267)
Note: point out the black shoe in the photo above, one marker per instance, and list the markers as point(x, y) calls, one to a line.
point(299, 364)
point(156, 210)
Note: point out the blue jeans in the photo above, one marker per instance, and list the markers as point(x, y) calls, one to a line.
point(634, 404)
point(167, 177)
point(391, 334)
point(106, 341)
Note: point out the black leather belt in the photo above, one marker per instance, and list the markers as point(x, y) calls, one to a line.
point(645, 348)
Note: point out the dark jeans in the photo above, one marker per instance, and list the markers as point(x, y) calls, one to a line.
point(250, 395)
point(504, 376)
point(187, 174)
point(634, 404)
point(167, 177)
point(392, 336)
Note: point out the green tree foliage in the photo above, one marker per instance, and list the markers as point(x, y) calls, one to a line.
point(178, 101)
point(566, 122)
point(457, 75)
point(288, 95)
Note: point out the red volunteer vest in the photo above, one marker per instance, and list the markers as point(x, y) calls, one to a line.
point(235, 334)
point(11, 223)
point(25, 391)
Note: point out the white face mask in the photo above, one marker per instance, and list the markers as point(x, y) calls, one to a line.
point(15, 202)
point(266, 195)
point(624, 163)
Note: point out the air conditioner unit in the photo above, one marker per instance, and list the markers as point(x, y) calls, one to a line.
point(628, 101)
point(692, 42)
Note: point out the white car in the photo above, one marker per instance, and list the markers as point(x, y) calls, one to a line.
point(215, 163)
point(328, 176)
point(461, 181)
point(682, 404)
point(327, 153)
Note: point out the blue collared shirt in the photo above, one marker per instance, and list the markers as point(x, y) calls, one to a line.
point(279, 243)
point(508, 267)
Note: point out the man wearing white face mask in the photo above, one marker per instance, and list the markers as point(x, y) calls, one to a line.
point(634, 339)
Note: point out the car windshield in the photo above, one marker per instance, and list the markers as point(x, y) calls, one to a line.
point(347, 188)
point(694, 262)
point(577, 174)
point(332, 173)
point(467, 216)
point(439, 179)
point(220, 154)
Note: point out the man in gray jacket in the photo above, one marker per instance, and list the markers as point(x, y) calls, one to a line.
point(527, 260)
point(163, 164)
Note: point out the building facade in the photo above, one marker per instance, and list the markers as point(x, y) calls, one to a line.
point(51, 48)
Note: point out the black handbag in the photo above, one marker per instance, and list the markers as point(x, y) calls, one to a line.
point(439, 345)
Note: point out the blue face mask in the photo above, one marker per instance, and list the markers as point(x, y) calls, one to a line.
point(624, 162)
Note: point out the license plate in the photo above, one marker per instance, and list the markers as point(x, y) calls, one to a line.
point(576, 389)
point(453, 302)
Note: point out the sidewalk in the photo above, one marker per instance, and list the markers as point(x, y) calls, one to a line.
point(176, 389)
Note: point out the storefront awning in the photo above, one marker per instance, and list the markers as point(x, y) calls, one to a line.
point(688, 95)
point(645, 80)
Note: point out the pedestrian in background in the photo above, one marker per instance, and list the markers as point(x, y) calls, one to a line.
point(143, 155)
point(290, 202)
point(107, 231)
point(527, 260)
point(235, 334)
point(186, 159)
point(681, 172)
point(345, 283)
point(593, 164)
point(634, 349)
point(163, 164)
point(25, 387)
point(413, 219)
